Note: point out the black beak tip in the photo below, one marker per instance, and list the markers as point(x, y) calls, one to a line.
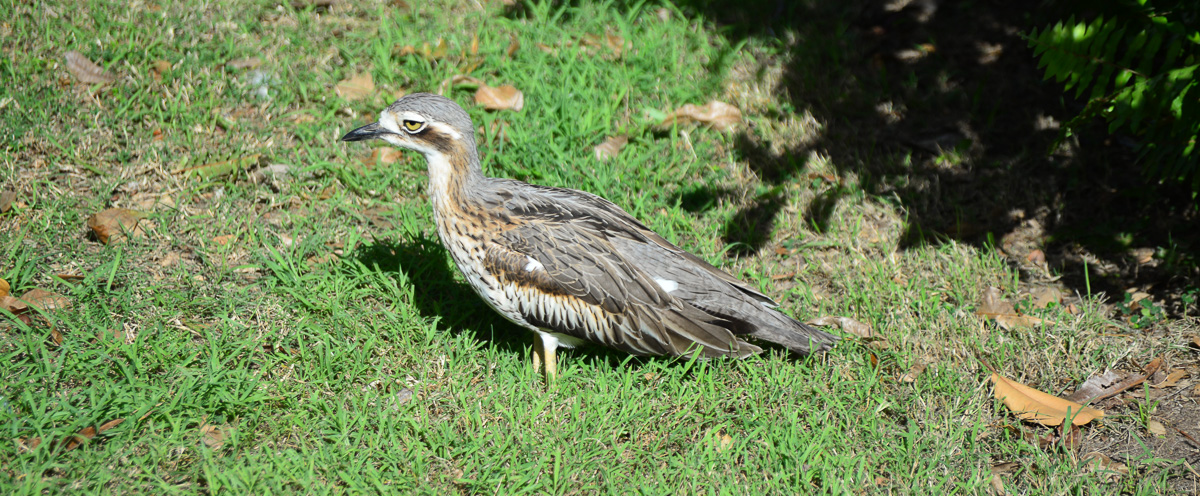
point(366, 132)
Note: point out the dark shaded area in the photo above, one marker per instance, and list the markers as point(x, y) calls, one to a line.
point(940, 105)
point(439, 295)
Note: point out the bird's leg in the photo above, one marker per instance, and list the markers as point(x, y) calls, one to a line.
point(551, 362)
point(544, 358)
point(537, 353)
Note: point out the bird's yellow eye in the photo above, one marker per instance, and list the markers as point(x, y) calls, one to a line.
point(413, 126)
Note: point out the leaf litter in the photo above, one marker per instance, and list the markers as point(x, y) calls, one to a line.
point(1032, 405)
point(87, 71)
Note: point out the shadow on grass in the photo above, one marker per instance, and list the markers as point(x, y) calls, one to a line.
point(940, 105)
point(426, 265)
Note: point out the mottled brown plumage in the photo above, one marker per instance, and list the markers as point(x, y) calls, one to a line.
point(572, 266)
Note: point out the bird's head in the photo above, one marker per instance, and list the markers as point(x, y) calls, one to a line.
point(430, 124)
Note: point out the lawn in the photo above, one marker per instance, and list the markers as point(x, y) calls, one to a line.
point(283, 317)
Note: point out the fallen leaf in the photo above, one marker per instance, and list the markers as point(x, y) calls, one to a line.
point(436, 52)
point(243, 63)
point(997, 486)
point(6, 200)
point(459, 80)
point(1097, 386)
point(1155, 427)
point(4, 287)
point(356, 87)
point(115, 225)
point(88, 433)
point(512, 47)
point(214, 436)
point(993, 305)
point(87, 71)
point(1043, 297)
point(1171, 380)
point(717, 115)
point(160, 67)
point(383, 156)
point(403, 51)
point(721, 439)
point(504, 97)
point(225, 240)
point(1037, 257)
point(1032, 405)
point(1109, 469)
point(913, 373)
point(847, 324)
point(1143, 256)
point(610, 147)
point(44, 300)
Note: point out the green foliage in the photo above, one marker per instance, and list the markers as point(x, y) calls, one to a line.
point(1137, 71)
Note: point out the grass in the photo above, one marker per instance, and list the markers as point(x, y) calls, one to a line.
point(305, 332)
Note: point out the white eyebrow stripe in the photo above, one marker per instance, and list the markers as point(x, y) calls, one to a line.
point(445, 129)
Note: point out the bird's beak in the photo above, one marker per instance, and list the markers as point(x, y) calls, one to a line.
point(366, 132)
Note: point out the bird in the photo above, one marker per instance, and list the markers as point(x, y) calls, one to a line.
point(572, 266)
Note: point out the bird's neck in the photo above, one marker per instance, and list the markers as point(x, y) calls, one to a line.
point(451, 176)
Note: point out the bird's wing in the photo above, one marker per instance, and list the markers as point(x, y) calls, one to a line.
point(568, 278)
point(602, 216)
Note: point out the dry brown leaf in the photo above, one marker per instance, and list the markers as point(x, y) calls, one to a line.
point(225, 240)
point(1032, 405)
point(847, 324)
point(610, 148)
point(457, 80)
point(1171, 380)
point(503, 97)
point(997, 486)
point(115, 224)
point(993, 305)
point(1155, 427)
point(1143, 255)
point(87, 71)
point(214, 436)
point(1037, 257)
point(88, 433)
point(356, 87)
point(10, 303)
point(512, 47)
point(243, 63)
point(4, 287)
point(438, 51)
point(1109, 469)
point(1097, 386)
point(44, 300)
point(1043, 297)
point(497, 132)
point(383, 156)
point(717, 115)
point(6, 200)
point(913, 373)
point(160, 67)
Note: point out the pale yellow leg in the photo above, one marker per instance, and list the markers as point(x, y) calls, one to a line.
point(551, 362)
point(545, 360)
point(537, 353)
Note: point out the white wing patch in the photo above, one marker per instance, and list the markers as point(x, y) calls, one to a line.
point(533, 264)
point(667, 284)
